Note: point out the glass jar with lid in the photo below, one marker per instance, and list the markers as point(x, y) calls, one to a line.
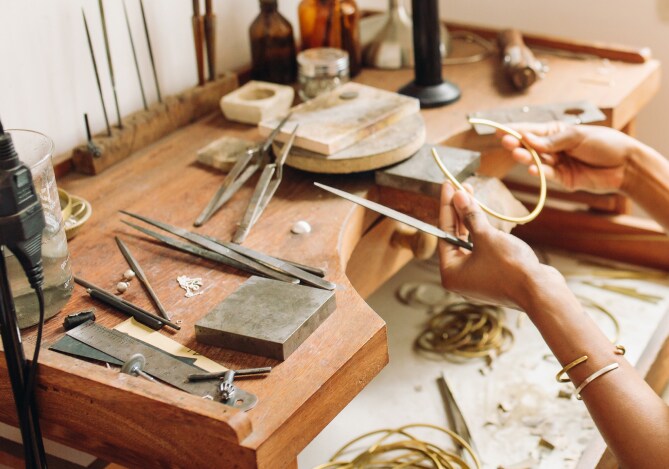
point(321, 69)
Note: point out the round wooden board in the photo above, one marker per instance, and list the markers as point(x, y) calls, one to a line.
point(391, 145)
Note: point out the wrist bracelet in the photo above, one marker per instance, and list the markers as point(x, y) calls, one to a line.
point(593, 377)
point(568, 367)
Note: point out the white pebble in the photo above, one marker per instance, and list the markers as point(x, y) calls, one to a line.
point(301, 227)
point(129, 274)
point(121, 287)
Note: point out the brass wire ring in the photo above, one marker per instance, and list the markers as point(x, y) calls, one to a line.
point(537, 161)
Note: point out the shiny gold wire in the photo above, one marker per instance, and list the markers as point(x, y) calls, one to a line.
point(415, 453)
point(466, 330)
point(537, 161)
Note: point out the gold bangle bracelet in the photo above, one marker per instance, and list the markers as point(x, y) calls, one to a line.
point(594, 376)
point(568, 367)
point(620, 350)
point(537, 162)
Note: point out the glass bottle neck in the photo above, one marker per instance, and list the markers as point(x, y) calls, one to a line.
point(268, 6)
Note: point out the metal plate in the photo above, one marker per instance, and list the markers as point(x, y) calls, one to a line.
point(266, 317)
point(575, 112)
point(160, 365)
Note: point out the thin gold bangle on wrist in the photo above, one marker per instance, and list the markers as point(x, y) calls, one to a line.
point(594, 376)
point(568, 367)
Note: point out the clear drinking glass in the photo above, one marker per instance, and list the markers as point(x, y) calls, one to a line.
point(35, 150)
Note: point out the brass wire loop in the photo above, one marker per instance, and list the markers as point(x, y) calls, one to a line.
point(537, 161)
point(397, 448)
point(466, 330)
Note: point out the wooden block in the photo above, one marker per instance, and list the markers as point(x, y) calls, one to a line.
point(223, 152)
point(266, 317)
point(147, 126)
point(335, 120)
point(257, 101)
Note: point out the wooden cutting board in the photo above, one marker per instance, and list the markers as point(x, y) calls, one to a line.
point(391, 145)
point(344, 116)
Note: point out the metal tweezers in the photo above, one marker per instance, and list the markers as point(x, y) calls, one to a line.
point(265, 188)
point(243, 258)
point(245, 166)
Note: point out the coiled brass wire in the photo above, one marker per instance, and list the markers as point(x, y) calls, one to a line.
point(466, 330)
point(397, 448)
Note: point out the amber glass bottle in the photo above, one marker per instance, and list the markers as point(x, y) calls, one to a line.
point(332, 23)
point(272, 46)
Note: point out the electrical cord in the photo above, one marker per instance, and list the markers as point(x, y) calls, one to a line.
point(30, 380)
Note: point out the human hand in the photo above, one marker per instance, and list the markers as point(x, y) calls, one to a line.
point(501, 269)
point(586, 157)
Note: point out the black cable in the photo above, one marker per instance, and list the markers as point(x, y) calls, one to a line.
point(30, 381)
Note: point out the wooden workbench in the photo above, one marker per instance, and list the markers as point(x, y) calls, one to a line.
point(137, 423)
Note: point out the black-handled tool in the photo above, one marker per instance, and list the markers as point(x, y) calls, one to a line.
point(75, 319)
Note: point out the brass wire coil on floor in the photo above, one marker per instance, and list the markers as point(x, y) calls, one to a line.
point(407, 452)
point(466, 330)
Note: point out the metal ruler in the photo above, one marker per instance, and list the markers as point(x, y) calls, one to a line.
point(160, 365)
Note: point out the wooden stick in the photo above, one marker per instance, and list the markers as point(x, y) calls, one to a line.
point(198, 37)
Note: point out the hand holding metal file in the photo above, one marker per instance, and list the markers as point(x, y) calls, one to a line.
point(399, 216)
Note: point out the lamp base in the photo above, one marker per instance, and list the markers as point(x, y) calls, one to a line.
point(433, 95)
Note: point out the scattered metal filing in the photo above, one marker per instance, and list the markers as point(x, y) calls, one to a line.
point(141, 315)
point(401, 217)
point(158, 364)
point(243, 258)
point(267, 185)
point(97, 75)
point(148, 44)
point(134, 56)
point(247, 164)
point(109, 62)
point(141, 276)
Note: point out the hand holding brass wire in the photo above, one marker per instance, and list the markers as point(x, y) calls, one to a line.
point(537, 162)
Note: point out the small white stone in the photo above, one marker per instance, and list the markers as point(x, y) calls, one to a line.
point(301, 227)
point(121, 287)
point(129, 274)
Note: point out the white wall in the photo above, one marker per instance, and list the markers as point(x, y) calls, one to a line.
point(46, 76)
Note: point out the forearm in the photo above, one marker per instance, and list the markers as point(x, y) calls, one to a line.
point(646, 181)
point(631, 417)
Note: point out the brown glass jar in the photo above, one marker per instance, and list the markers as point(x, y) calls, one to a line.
point(332, 23)
point(272, 46)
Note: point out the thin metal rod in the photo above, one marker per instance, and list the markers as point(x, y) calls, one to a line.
point(125, 306)
point(141, 276)
point(134, 55)
point(97, 74)
point(92, 147)
point(148, 43)
point(109, 62)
